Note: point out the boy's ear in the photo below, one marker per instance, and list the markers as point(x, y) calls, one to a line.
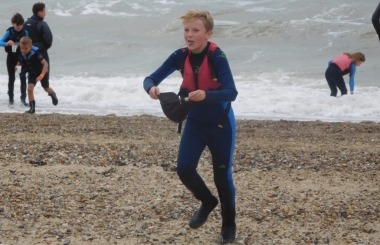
point(209, 34)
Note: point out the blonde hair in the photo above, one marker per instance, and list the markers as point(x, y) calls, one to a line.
point(358, 56)
point(203, 15)
point(26, 41)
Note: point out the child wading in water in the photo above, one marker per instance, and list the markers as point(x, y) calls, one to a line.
point(208, 83)
point(33, 62)
point(10, 41)
point(343, 64)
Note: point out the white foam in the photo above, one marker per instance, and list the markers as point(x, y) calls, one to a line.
point(225, 23)
point(276, 95)
point(102, 9)
point(165, 2)
point(264, 10)
point(285, 96)
point(61, 12)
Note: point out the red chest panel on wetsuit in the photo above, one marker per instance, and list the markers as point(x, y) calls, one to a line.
point(205, 78)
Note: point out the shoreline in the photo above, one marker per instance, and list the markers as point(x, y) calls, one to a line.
point(238, 118)
point(85, 179)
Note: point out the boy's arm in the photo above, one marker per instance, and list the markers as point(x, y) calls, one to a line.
point(44, 70)
point(2, 40)
point(46, 35)
point(171, 64)
point(224, 74)
point(19, 61)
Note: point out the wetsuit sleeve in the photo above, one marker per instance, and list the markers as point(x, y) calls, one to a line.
point(224, 75)
point(39, 56)
point(171, 64)
point(3, 42)
point(352, 76)
point(376, 20)
point(47, 36)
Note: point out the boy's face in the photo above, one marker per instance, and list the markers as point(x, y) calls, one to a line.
point(195, 35)
point(358, 62)
point(17, 27)
point(42, 13)
point(25, 49)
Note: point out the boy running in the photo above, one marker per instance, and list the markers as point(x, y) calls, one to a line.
point(210, 122)
point(33, 62)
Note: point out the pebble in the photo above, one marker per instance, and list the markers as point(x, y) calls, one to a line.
point(112, 180)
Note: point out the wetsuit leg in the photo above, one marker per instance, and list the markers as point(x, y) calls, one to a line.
point(190, 149)
point(376, 20)
point(11, 63)
point(193, 142)
point(23, 83)
point(222, 147)
point(335, 79)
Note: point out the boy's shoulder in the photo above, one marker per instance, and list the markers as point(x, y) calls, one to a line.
point(180, 52)
point(218, 53)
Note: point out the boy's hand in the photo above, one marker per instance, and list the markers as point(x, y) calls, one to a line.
point(39, 78)
point(198, 95)
point(10, 43)
point(154, 92)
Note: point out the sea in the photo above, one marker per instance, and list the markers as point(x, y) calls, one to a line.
point(278, 51)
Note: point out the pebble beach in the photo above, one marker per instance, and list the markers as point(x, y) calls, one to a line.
point(84, 179)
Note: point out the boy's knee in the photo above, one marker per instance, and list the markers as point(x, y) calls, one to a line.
point(184, 172)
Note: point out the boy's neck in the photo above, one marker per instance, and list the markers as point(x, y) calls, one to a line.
point(193, 52)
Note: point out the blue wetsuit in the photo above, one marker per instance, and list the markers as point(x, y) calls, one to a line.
point(201, 130)
point(334, 77)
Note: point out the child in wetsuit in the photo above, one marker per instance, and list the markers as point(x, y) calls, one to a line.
point(376, 20)
point(343, 64)
point(210, 122)
point(12, 38)
point(34, 63)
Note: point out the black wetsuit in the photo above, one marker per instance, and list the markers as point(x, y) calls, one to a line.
point(41, 36)
point(31, 63)
point(12, 57)
point(376, 20)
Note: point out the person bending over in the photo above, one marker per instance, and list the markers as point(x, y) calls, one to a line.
point(342, 65)
point(34, 63)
